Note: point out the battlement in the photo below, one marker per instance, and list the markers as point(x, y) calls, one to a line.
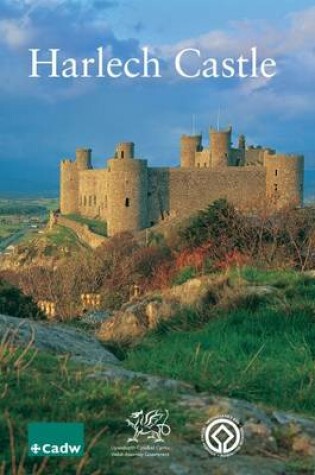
point(130, 196)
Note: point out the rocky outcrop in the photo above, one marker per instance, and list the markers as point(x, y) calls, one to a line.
point(57, 339)
point(135, 319)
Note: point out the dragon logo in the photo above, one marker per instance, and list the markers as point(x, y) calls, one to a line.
point(151, 424)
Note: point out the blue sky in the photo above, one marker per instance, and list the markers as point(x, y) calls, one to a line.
point(42, 121)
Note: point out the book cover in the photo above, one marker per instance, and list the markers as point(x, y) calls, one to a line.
point(157, 237)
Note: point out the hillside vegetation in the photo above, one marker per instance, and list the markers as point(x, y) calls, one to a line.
point(252, 338)
point(258, 346)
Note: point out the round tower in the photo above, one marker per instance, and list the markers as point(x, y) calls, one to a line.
point(220, 141)
point(83, 158)
point(284, 179)
point(69, 187)
point(190, 144)
point(127, 195)
point(125, 150)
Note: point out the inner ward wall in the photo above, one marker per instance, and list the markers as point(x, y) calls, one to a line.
point(195, 190)
point(92, 194)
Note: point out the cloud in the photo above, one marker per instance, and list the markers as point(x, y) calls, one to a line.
point(15, 34)
point(291, 43)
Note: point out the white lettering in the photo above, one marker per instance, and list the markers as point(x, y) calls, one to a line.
point(69, 68)
point(52, 63)
point(268, 63)
point(147, 61)
point(178, 63)
point(46, 448)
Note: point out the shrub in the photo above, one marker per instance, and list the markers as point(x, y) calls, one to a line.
point(183, 275)
point(15, 304)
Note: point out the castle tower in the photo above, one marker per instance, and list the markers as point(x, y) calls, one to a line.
point(69, 180)
point(69, 187)
point(127, 195)
point(190, 144)
point(83, 158)
point(125, 150)
point(220, 142)
point(284, 179)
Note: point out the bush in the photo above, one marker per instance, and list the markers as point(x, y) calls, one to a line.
point(15, 304)
point(183, 275)
point(215, 224)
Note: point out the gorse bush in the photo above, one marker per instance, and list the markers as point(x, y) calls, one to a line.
point(215, 224)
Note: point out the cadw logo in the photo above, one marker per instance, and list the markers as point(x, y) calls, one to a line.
point(59, 439)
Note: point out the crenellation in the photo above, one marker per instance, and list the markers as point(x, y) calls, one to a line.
point(129, 195)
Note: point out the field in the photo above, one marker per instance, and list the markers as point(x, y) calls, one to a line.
point(20, 218)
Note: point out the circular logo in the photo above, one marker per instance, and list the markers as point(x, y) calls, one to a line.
point(222, 436)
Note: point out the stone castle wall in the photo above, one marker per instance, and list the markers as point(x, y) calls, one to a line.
point(131, 196)
point(82, 231)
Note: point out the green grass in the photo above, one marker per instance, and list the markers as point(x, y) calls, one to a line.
point(60, 235)
point(95, 225)
point(48, 389)
point(262, 351)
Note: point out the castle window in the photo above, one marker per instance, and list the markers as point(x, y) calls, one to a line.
point(122, 154)
point(205, 165)
point(106, 201)
point(84, 201)
point(81, 200)
point(276, 172)
point(127, 202)
point(94, 200)
point(275, 187)
point(90, 200)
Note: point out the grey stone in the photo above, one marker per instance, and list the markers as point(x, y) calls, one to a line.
point(57, 339)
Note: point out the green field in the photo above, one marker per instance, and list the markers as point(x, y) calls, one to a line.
point(18, 215)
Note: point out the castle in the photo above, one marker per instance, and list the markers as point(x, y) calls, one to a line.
point(129, 195)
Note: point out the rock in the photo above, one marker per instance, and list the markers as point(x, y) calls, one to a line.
point(151, 382)
point(301, 432)
point(198, 291)
point(95, 318)
point(135, 319)
point(187, 459)
point(57, 339)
